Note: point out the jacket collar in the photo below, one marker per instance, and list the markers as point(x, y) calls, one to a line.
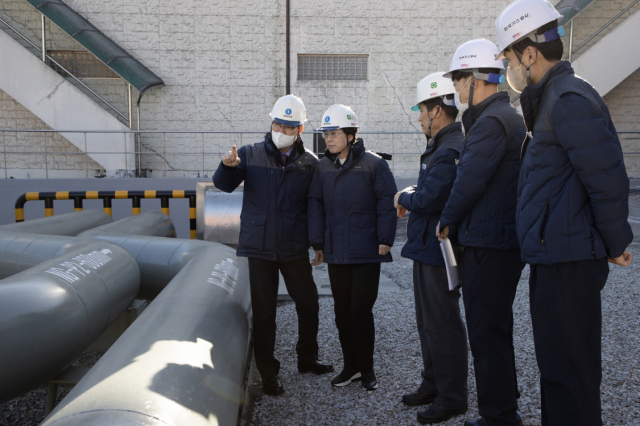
point(474, 112)
point(355, 153)
point(532, 94)
point(442, 134)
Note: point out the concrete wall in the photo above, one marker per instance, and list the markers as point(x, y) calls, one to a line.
point(223, 65)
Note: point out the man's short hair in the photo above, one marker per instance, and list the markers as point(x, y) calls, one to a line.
point(551, 51)
point(450, 111)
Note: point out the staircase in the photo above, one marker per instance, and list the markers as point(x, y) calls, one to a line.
point(613, 58)
point(61, 105)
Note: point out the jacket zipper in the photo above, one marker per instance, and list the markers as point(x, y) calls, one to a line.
point(544, 221)
point(426, 231)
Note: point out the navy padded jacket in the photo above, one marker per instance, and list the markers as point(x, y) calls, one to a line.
point(573, 191)
point(483, 199)
point(274, 222)
point(351, 208)
point(438, 166)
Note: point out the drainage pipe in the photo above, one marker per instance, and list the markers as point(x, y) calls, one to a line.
point(151, 223)
point(182, 362)
point(52, 312)
point(69, 224)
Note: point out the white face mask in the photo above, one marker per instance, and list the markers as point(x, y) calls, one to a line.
point(281, 140)
point(516, 80)
point(462, 107)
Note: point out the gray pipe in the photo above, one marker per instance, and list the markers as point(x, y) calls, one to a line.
point(20, 251)
point(50, 313)
point(182, 362)
point(159, 259)
point(151, 223)
point(69, 224)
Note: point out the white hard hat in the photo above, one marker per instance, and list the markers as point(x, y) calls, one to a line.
point(475, 54)
point(433, 86)
point(289, 110)
point(338, 116)
point(521, 18)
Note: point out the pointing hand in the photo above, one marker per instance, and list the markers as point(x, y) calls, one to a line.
point(231, 158)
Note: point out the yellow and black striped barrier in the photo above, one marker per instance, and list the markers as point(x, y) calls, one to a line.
point(106, 197)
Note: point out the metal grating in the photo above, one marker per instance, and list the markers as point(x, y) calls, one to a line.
point(333, 67)
point(81, 64)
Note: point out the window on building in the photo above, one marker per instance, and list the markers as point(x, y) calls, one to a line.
point(81, 64)
point(333, 67)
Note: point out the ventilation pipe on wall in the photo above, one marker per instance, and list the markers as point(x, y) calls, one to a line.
point(288, 42)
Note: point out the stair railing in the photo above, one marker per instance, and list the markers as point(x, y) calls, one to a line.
point(584, 43)
point(45, 55)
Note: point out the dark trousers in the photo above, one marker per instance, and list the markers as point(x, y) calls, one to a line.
point(567, 330)
point(489, 282)
point(355, 290)
point(442, 336)
point(264, 279)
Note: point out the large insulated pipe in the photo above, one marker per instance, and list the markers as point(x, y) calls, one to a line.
point(182, 362)
point(20, 251)
point(159, 259)
point(150, 223)
point(69, 224)
point(52, 312)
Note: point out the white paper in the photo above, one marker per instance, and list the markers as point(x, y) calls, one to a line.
point(450, 262)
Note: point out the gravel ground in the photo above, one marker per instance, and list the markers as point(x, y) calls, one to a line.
point(311, 400)
point(28, 410)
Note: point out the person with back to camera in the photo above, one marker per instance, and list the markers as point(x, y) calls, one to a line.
point(483, 206)
point(274, 234)
point(352, 226)
point(572, 210)
point(443, 338)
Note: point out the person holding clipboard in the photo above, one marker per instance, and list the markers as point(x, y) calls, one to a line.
point(443, 338)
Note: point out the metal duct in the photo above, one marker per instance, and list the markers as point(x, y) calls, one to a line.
point(69, 224)
point(182, 362)
point(50, 313)
point(151, 223)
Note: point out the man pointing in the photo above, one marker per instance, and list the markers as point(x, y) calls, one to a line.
point(274, 234)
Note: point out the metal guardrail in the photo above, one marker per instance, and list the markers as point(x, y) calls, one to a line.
point(203, 153)
point(164, 154)
point(107, 197)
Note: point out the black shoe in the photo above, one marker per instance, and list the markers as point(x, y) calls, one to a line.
point(346, 377)
point(419, 398)
point(482, 422)
point(272, 387)
point(369, 381)
point(315, 368)
point(436, 414)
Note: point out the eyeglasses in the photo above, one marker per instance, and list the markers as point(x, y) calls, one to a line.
point(287, 129)
point(331, 135)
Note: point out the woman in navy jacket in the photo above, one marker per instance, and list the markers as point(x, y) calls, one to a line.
point(352, 225)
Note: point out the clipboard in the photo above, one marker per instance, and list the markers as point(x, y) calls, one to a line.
point(451, 263)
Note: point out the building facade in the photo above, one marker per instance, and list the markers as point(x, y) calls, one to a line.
point(224, 65)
